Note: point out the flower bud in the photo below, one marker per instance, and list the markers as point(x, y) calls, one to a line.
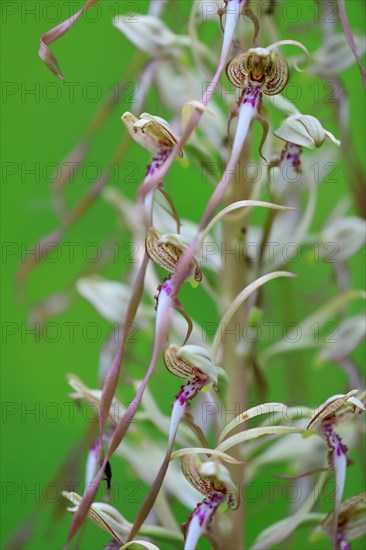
point(305, 131)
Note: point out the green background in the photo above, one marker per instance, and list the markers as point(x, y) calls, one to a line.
point(42, 127)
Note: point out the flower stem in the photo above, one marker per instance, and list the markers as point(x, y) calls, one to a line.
point(233, 280)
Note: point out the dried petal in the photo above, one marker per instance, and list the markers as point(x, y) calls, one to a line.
point(54, 34)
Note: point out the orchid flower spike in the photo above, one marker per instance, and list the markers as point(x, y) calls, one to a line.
point(213, 481)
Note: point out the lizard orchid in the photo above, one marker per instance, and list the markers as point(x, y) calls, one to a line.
point(210, 224)
point(213, 481)
point(155, 135)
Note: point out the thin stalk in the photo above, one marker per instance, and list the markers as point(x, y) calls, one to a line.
point(233, 279)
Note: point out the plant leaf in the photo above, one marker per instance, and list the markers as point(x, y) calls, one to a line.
point(253, 433)
point(280, 530)
point(252, 413)
point(321, 316)
point(237, 302)
point(202, 450)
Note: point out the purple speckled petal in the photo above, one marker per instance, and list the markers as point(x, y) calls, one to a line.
point(338, 459)
point(200, 519)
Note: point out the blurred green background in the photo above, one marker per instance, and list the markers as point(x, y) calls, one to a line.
point(42, 119)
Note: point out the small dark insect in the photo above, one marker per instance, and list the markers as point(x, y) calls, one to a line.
point(271, 8)
point(108, 474)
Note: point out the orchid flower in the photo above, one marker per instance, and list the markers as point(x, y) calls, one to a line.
point(194, 364)
point(175, 68)
point(327, 417)
point(297, 131)
point(155, 135)
point(213, 481)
